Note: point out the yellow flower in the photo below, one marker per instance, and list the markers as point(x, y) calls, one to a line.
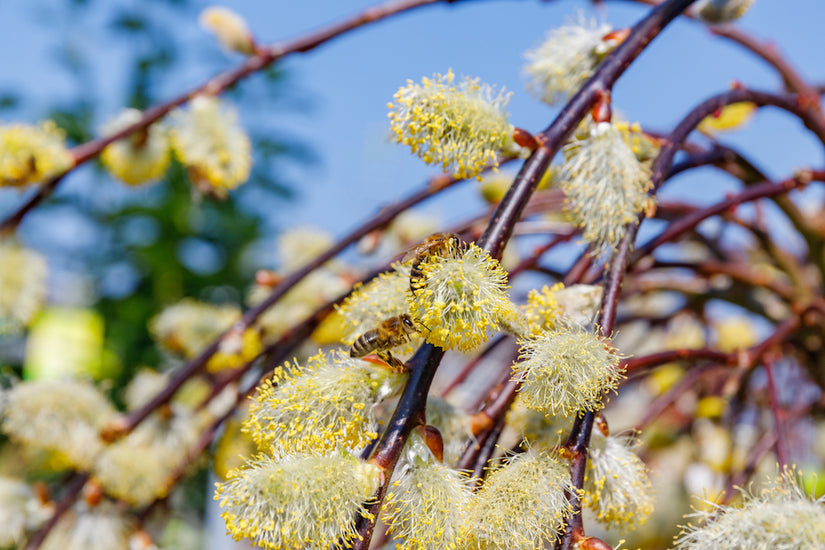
point(210, 142)
point(566, 59)
point(65, 416)
point(781, 516)
point(605, 186)
point(22, 285)
point(566, 370)
point(236, 350)
point(735, 333)
point(327, 404)
point(722, 11)
point(295, 501)
point(370, 304)
point(29, 154)
point(297, 246)
point(616, 485)
point(102, 527)
point(189, 326)
point(463, 127)
point(314, 290)
point(138, 468)
point(522, 504)
point(426, 502)
point(20, 511)
point(542, 308)
point(461, 298)
point(140, 157)
point(229, 28)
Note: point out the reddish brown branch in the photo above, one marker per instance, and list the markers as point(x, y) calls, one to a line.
point(778, 413)
point(73, 488)
point(636, 364)
point(690, 221)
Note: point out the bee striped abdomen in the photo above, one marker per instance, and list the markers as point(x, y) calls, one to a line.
point(390, 333)
point(365, 344)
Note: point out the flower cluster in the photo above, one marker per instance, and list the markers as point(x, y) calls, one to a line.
point(63, 417)
point(326, 404)
point(522, 504)
point(616, 485)
point(22, 285)
point(229, 28)
point(382, 298)
point(566, 59)
point(427, 501)
point(461, 298)
point(142, 156)
point(29, 154)
point(209, 141)
point(780, 517)
point(566, 370)
point(605, 186)
point(293, 501)
point(460, 125)
point(722, 11)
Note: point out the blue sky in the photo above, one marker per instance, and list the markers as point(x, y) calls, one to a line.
point(349, 81)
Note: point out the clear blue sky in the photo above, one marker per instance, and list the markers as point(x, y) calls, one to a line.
point(349, 81)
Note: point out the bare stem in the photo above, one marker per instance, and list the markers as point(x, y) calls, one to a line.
point(778, 413)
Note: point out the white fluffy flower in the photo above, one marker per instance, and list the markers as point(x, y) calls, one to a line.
point(210, 142)
point(295, 501)
point(568, 57)
point(605, 186)
point(140, 157)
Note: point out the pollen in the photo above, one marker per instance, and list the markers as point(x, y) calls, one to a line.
point(327, 404)
point(542, 308)
point(209, 141)
point(522, 504)
point(616, 486)
point(566, 370)
point(298, 501)
point(460, 125)
point(461, 298)
point(29, 154)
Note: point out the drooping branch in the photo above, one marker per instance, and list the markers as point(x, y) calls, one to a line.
point(263, 58)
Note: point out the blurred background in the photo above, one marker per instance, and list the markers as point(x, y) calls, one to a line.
point(321, 154)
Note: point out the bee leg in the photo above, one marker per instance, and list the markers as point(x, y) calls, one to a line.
point(394, 363)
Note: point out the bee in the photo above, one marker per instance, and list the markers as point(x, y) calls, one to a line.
point(438, 244)
point(381, 339)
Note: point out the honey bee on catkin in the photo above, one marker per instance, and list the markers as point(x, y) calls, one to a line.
point(388, 334)
point(439, 244)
